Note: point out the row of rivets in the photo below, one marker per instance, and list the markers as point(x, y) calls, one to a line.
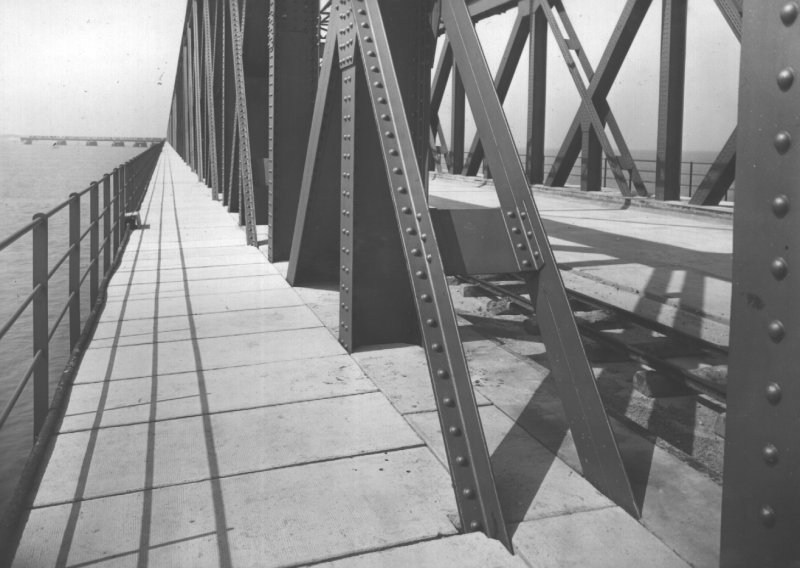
point(778, 267)
point(421, 275)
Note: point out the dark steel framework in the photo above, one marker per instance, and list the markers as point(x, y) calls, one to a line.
point(332, 144)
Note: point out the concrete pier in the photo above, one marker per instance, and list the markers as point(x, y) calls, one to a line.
point(216, 421)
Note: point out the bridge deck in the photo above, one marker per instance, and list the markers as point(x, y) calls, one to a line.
point(216, 421)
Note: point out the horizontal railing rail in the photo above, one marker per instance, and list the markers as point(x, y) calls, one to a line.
point(123, 191)
point(692, 172)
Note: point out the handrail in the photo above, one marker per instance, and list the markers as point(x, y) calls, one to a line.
point(122, 191)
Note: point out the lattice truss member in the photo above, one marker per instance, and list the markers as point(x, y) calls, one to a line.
point(364, 220)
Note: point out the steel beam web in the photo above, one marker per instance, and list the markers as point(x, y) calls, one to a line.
point(247, 204)
point(760, 504)
point(594, 439)
point(465, 445)
point(213, 182)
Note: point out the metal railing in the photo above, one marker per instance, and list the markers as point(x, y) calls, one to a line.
point(692, 173)
point(123, 191)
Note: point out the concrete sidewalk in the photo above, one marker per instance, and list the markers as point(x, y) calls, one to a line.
point(216, 421)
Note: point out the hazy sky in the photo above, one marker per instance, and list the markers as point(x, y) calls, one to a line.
point(106, 67)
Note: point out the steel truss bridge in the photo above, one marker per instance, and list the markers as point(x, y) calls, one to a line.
point(330, 146)
point(93, 140)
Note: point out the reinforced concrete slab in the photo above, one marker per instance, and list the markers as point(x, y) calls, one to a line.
point(219, 324)
point(462, 551)
point(282, 517)
point(605, 538)
point(132, 361)
point(114, 403)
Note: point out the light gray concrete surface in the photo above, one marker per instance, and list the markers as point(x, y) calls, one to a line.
point(667, 265)
point(216, 421)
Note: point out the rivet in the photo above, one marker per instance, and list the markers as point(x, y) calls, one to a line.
point(429, 322)
point(526, 262)
point(767, 515)
point(779, 268)
point(374, 69)
point(386, 117)
point(345, 326)
point(515, 230)
point(437, 347)
point(770, 454)
point(424, 237)
point(521, 246)
point(776, 331)
point(425, 297)
point(419, 216)
point(397, 171)
point(475, 525)
point(780, 206)
point(530, 234)
point(461, 460)
point(382, 100)
point(368, 39)
point(371, 53)
point(421, 274)
point(411, 230)
point(511, 214)
point(364, 25)
point(405, 210)
point(416, 252)
point(344, 231)
point(442, 373)
point(789, 13)
point(393, 152)
point(523, 215)
point(536, 254)
point(782, 142)
point(390, 134)
point(785, 79)
point(468, 492)
point(429, 258)
point(447, 401)
point(362, 11)
point(377, 84)
point(401, 189)
point(774, 393)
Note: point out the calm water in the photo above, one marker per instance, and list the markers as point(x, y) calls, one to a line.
point(34, 179)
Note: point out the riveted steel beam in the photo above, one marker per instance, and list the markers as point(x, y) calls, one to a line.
point(594, 440)
point(537, 94)
point(457, 120)
point(760, 507)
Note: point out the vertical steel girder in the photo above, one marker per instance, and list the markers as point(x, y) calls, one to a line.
point(386, 236)
point(537, 95)
point(246, 190)
point(440, 77)
point(211, 119)
point(760, 504)
point(458, 115)
point(293, 69)
point(197, 90)
point(670, 106)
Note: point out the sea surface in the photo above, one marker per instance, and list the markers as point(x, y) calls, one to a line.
point(33, 179)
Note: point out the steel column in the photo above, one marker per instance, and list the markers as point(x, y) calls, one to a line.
point(293, 69)
point(458, 113)
point(537, 94)
point(670, 108)
point(197, 89)
point(760, 504)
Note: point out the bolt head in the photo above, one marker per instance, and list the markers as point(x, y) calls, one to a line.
point(447, 401)
point(789, 13)
point(455, 430)
point(442, 374)
point(783, 141)
point(779, 268)
point(770, 454)
point(785, 79)
point(767, 515)
point(780, 206)
point(776, 330)
point(774, 393)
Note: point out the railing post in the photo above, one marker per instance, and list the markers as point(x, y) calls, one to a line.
point(40, 325)
point(605, 171)
point(94, 244)
point(115, 210)
point(74, 269)
point(691, 175)
point(106, 224)
point(123, 186)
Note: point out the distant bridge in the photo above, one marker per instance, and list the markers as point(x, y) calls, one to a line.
point(93, 140)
